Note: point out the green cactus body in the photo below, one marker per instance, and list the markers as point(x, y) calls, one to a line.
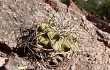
point(63, 43)
point(43, 40)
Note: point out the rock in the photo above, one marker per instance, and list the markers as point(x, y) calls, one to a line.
point(3, 61)
point(15, 14)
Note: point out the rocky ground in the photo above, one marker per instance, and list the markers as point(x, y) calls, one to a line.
point(94, 42)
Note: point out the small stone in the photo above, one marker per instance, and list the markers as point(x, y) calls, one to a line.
point(3, 61)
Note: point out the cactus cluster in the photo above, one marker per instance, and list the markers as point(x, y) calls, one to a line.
point(62, 43)
point(46, 42)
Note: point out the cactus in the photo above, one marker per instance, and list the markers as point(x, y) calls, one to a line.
point(52, 39)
